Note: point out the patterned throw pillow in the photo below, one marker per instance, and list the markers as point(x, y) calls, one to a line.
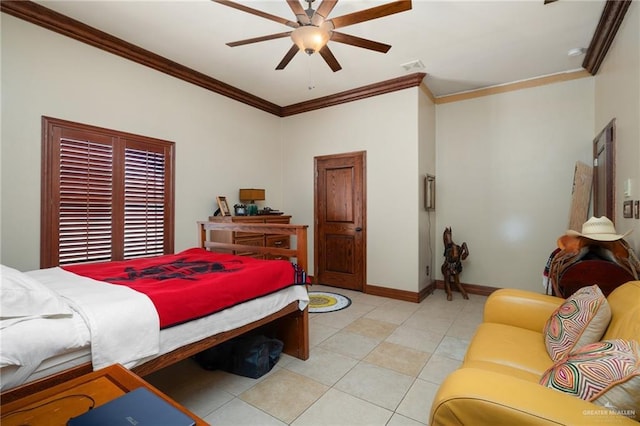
point(606, 373)
point(580, 320)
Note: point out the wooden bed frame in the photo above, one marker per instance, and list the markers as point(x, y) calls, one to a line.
point(289, 324)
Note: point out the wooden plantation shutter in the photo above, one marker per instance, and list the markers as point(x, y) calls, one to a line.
point(144, 200)
point(106, 195)
point(86, 201)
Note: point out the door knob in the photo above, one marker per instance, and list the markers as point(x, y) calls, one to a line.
point(358, 229)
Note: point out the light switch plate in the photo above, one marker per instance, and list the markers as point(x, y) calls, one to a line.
point(627, 188)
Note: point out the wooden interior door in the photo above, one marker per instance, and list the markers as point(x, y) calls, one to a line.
point(340, 216)
point(604, 172)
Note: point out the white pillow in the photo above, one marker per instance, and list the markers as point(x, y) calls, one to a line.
point(23, 296)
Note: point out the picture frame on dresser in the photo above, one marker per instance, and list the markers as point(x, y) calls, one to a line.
point(223, 206)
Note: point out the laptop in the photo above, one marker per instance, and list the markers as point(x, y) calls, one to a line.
point(140, 407)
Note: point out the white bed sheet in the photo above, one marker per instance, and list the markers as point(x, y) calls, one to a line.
point(25, 345)
point(49, 366)
point(77, 349)
point(123, 323)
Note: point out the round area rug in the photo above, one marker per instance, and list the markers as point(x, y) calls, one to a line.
point(322, 301)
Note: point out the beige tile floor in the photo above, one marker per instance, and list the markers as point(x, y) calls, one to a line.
point(378, 362)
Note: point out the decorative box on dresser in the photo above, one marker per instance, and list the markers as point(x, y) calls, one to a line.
point(251, 239)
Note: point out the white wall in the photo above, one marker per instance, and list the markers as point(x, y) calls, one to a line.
point(505, 168)
point(386, 128)
point(504, 162)
point(426, 165)
point(617, 95)
point(221, 145)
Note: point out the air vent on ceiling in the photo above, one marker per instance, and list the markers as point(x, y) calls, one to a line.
point(413, 65)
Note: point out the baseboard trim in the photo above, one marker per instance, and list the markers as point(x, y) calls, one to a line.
point(481, 290)
point(417, 297)
point(429, 289)
point(392, 293)
point(407, 296)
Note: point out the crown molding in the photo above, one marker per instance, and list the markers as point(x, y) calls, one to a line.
point(510, 87)
point(425, 89)
point(610, 20)
point(387, 86)
point(62, 24)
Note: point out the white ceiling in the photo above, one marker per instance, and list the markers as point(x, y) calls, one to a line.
point(464, 45)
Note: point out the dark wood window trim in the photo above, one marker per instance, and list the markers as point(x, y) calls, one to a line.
point(105, 194)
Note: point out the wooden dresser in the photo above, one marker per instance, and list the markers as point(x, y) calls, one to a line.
point(251, 239)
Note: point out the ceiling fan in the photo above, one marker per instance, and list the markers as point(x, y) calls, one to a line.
point(312, 28)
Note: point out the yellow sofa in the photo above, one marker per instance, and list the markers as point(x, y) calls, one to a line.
point(498, 383)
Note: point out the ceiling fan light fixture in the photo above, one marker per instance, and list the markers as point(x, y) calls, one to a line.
point(310, 38)
point(313, 28)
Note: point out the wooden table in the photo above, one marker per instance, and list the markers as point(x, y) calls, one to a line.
point(56, 405)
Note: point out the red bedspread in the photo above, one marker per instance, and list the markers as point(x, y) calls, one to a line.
point(195, 282)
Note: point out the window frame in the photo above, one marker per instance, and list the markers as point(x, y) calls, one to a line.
point(52, 130)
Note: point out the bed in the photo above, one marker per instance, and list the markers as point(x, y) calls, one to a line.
point(73, 331)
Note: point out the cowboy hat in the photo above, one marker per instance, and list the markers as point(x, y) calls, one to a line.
point(599, 229)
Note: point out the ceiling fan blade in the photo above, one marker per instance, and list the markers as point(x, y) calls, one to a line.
point(298, 10)
point(330, 59)
point(549, 1)
point(360, 42)
point(258, 13)
point(369, 14)
point(323, 11)
point(258, 39)
point(288, 57)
